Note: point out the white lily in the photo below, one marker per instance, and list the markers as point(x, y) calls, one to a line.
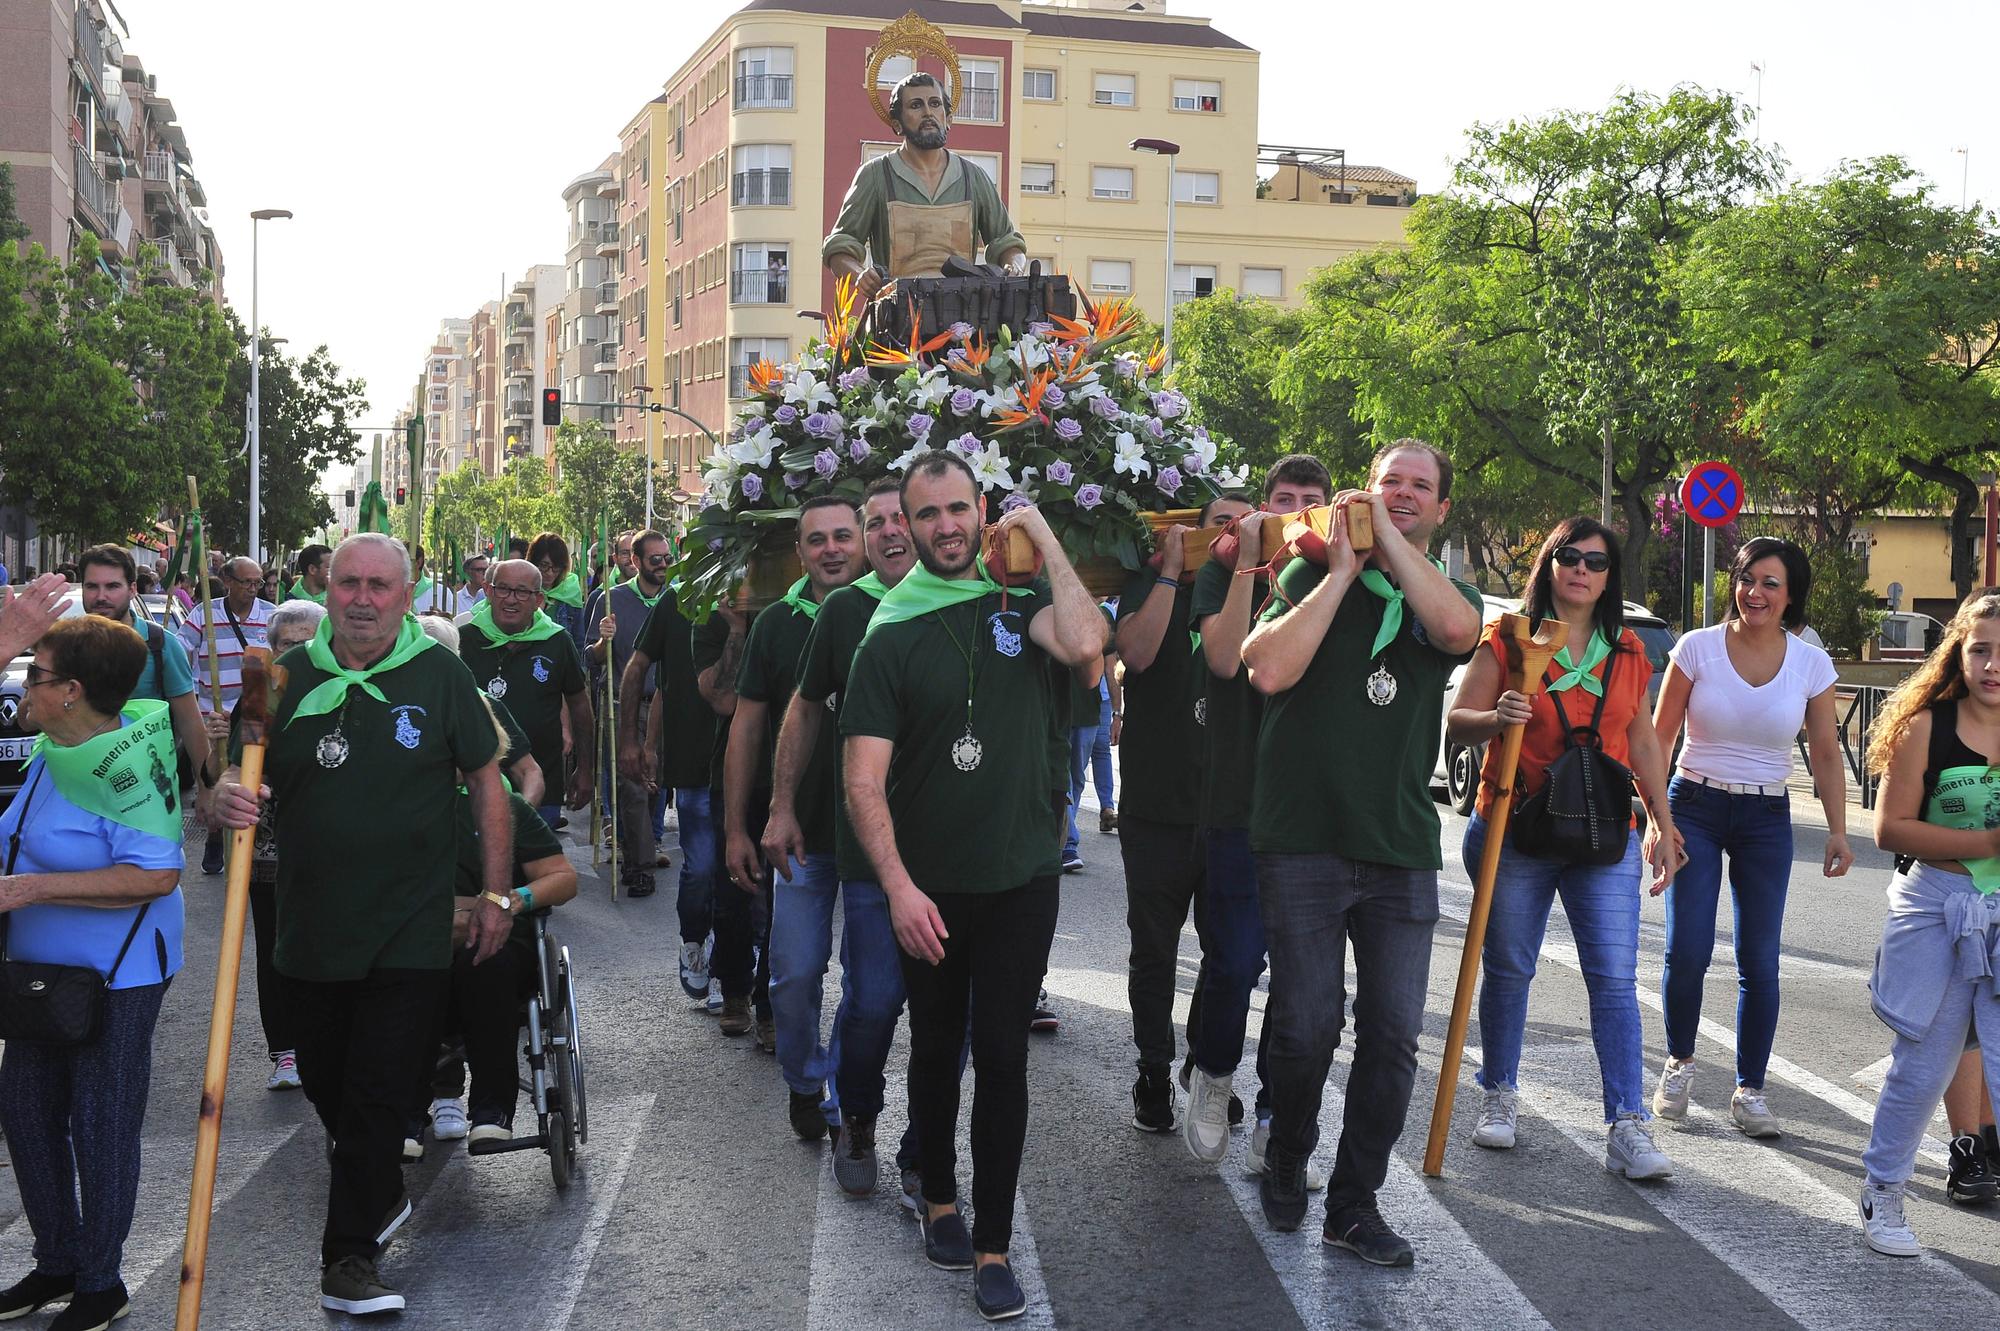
point(1203, 447)
point(992, 468)
point(1033, 352)
point(1128, 456)
point(914, 452)
point(932, 389)
point(808, 393)
point(1232, 478)
point(756, 450)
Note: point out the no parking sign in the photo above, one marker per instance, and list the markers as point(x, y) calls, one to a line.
point(1712, 494)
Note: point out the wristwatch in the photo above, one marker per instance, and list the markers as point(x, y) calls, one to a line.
point(501, 900)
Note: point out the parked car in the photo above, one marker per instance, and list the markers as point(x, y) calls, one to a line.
point(15, 744)
point(1458, 765)
point(1907, 636)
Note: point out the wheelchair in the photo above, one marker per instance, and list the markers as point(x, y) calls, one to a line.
point(554, 1048)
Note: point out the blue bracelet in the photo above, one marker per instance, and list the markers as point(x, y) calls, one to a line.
point(1163, 581)
point(527, 899)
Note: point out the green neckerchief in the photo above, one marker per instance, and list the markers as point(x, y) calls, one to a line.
point(871, 582)
point(421, 589)
point(922, 591)
point(568, 592)
point(797, 599)
point(332, 693)
point(1392, 613)
point(648, 601)
point(126, 775)
point(1574, 674)
point(540, 627)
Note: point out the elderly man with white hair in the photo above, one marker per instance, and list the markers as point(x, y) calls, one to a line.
point(376, 731)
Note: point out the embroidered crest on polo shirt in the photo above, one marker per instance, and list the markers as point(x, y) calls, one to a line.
point(407, 733)
point(541, 669)
point(1005, 640)
point(1417, 631)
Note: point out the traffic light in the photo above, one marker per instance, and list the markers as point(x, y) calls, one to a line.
point(552, 406)
point(350, 499)
point(402, 494)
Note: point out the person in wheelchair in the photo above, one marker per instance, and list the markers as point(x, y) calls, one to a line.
point(483, 1002)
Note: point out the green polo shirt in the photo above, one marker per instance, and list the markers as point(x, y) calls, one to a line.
point(365, 870)
point(1163, 732)
point(1235, 711)
point(533, 679)
point(1344, 776)
point(688, 727)
point(710, 638)
point(823, 671)
point(532, 841)
point(986, 830)
point(770, 675)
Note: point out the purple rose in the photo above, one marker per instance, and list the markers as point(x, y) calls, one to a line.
point(753, 487)
point(1104, 407)
point(1053, 396)
point(795, 480)
point(785, 414)
point(858, 450)
point(826, 462)
point(1014, 501)
point(1156, 427)
point(1194, 464)
point(1040, 328)
point(963, 331)
point(1069, 431)
point(968, 444)
point(1201, 432)
point(824, 425)
point(1090, 496)
point(1127, 367)
point(853, 379)
point(1169, 403)
point(963, 400)
point(920, 425)
point(1059, 471)
point(1170, 480)
point(715, 543)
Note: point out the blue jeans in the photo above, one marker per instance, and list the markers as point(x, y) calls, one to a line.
point(701, 833)
point(801, 946)
point(1232, 959)
point(550, 813)
point(1100, 758)
point(871, 1001)
point(1755, 831)
point(1081, 740)
point(1602, 903)
point(1312, 906)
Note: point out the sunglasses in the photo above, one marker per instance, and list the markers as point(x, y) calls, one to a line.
point(1594, 560)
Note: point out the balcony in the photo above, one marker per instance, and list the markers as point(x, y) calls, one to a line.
point(771, 187)
point(607, 297)
point(607, 353)
point(759, 286)
point(93, 191)
point(763, 92)
point(739, 381)
point(607, 238)
point(90, 50)
point(519, 406)
point(978, 104)
point(520, 368)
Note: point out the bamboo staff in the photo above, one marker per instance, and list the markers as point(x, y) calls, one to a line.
point(1528, 656)
point(610, 717)
point(201, 584)
point(252, 711)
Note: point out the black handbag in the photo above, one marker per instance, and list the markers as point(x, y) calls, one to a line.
point(1583, 812)
point(44, 1003)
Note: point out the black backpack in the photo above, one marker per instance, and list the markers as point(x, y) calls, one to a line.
point(1583, 812)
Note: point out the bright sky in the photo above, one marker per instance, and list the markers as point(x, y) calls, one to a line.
point(424, 144)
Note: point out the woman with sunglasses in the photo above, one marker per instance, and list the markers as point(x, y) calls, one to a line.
point(1575, 578)
point(1743, 687)
point(93, 846)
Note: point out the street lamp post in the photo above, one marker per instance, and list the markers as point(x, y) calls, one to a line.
point(1170, 150)
point(256, 413)
point(643, 391)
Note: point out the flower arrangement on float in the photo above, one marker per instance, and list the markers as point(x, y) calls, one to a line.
point(1066, 416)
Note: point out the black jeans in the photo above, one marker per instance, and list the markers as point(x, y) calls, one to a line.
point(1166, 865)
point(741, 962)
point(480, 1014)
point(1313, 905)
point(72, 1114)
point(362, 1045)
point(993, 964)
point(278, 1036)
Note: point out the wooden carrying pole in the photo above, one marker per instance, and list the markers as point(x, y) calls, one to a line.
point(1528, 656)
point(252, 710)
point(200, 579)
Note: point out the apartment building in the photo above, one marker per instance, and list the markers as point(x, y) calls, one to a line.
point(728, 182)
point(540, 290)
point(94, 145)
point(591, 331)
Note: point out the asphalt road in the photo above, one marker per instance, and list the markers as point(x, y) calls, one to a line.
point(696, 1207)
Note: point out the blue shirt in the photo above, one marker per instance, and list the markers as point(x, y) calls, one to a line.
point(62, 838)
point(174, 665)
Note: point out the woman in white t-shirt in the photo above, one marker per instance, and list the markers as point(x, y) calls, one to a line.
point(1743, 687)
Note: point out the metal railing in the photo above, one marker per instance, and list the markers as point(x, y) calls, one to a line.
point(607, 353)
point(607, 294)
point(159, 165)
point(92, 189)
point(739, 381)
point(758, 91)
point(978, 104)
point(771, 185)
point(607, 234)
point(759, 286)
point(90, 48)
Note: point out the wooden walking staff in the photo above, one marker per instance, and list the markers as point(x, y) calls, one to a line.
point(1528, 655)
point(598, 799)
point(252, 711)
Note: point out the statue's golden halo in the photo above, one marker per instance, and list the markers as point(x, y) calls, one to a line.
point(915, 38)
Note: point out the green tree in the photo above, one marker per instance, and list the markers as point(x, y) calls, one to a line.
point(308, 405)
point(596, 477)
point(12, 228)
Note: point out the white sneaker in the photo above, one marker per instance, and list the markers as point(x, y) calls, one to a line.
point(1260, 1137)
point(284, 1073)
point(448, 1120)
point(1496, 1120)
point(1670, 1099)
point(1751, 1114)
point(1882, 1222)
point(694, 972)
point(1205, 1125)
point(1632, 1152)
point(713, 1003)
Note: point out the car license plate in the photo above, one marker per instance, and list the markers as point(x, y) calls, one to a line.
point(16, 750)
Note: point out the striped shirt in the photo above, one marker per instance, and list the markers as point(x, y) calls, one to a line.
point(229, 645)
